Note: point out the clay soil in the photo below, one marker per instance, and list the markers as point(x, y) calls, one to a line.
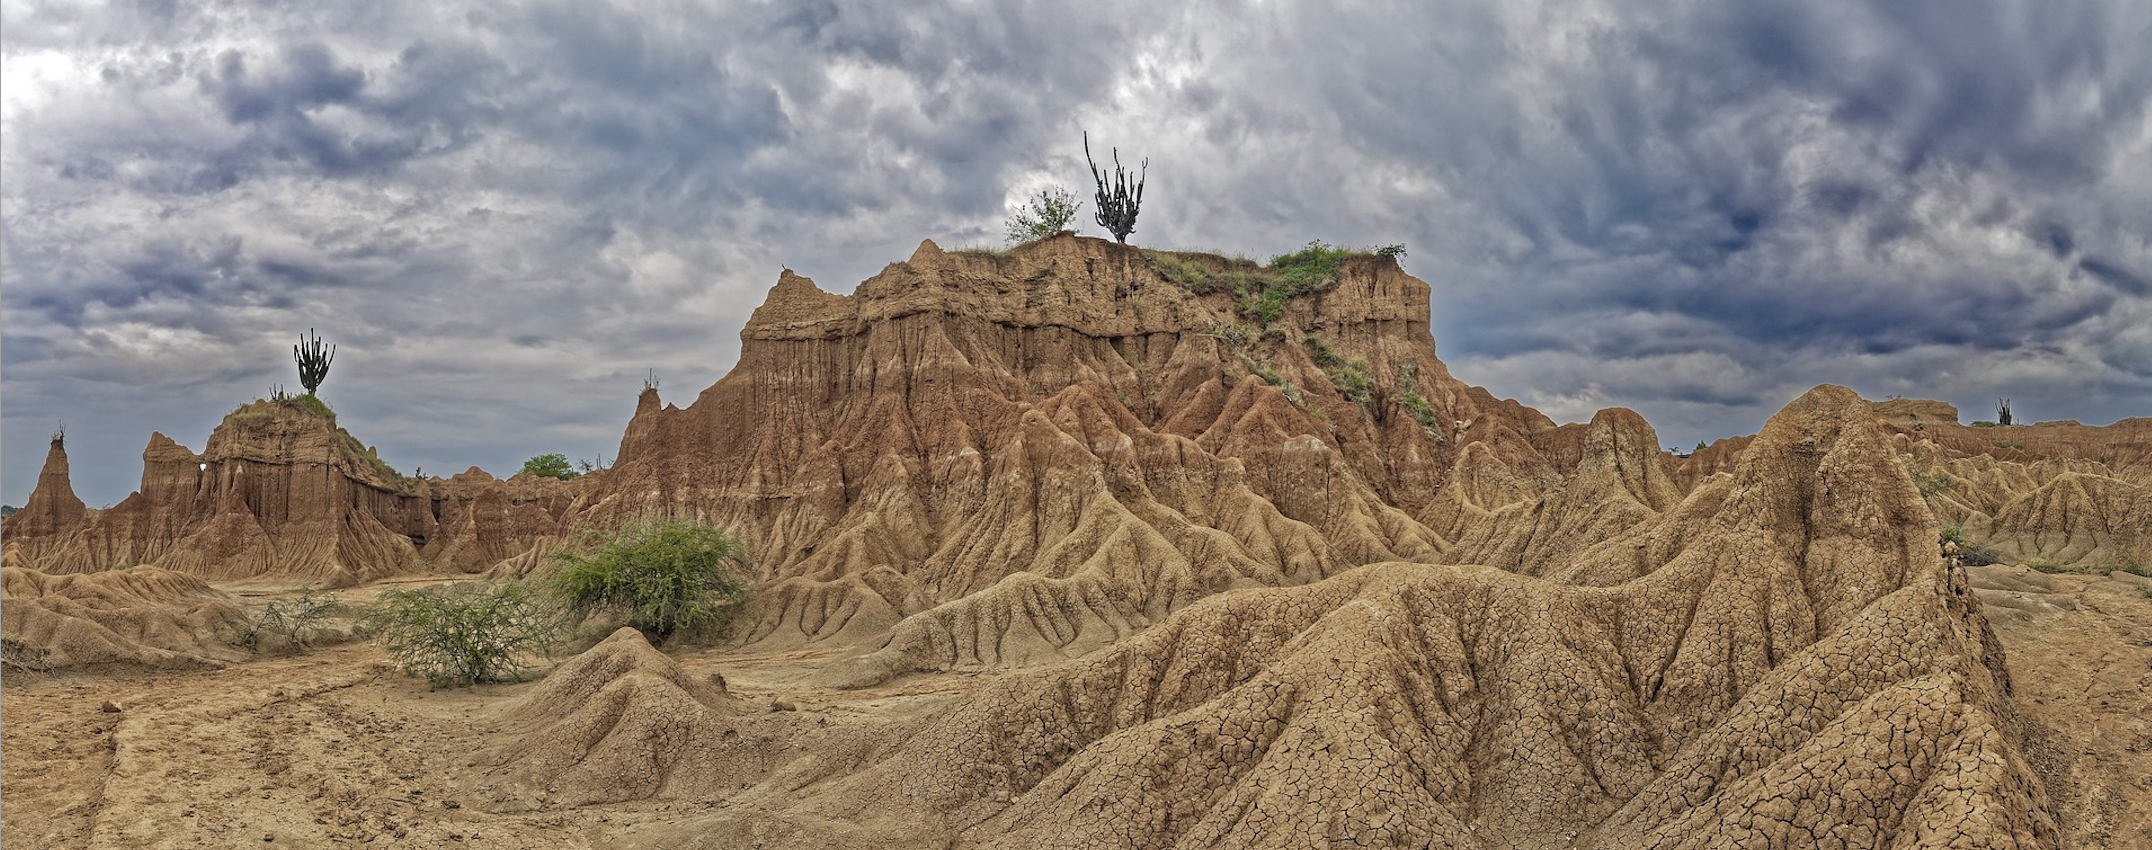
point(333, 748)
point(2080, 651)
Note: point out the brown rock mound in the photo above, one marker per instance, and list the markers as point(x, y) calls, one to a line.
point(143, 615)
point(1798, 670)
point(611, 724)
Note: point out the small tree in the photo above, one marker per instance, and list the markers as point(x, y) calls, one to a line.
point(1046, 213)
point(2002, 411)
point(1116, 206)
point(466, 634)
point(666, 574)
point(313, 361)
point(553, 465)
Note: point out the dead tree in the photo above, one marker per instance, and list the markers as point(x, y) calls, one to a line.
point(313, 360)
point(1116, 206)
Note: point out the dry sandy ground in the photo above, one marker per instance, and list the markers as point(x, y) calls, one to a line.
point(333, 749)
point(2080, 651)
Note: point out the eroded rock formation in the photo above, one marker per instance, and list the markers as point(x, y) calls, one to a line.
point(1792, 666)
point(281, 491)
point(141, 616)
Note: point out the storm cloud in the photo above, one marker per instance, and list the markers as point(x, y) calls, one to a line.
point(507, 214)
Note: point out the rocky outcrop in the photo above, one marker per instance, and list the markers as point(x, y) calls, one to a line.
point(1012, 458)
point(611, 724)
point(48, 516)
point(1793, 665)
point(2070, 513)
point(282, 491)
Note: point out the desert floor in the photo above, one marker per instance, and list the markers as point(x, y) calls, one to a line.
point(334, 749)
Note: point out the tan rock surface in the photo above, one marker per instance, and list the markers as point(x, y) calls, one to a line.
point(1058, 552)
point(282, 492)
point(142, 615)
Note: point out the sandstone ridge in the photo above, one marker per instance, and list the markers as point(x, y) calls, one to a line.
point(282, 492)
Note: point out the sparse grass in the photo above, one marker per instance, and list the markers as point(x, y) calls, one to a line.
point(1348, 374)
point(21, 655)
point(1931, 483)
point(1423, 412)
point(306, 402)
point(357, 452)
point(1236, 334)
point(1271, 376)
point(1260, 292)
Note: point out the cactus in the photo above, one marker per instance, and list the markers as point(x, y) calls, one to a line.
point(313, 361)
point(1116, 208)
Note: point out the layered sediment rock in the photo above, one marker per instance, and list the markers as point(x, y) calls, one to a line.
point(1009, 458)
point(281, 491)
point(1792, 665)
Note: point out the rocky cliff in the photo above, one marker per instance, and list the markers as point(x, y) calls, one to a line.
point(1777, 659)
point(1013, 457)
point(282, 491)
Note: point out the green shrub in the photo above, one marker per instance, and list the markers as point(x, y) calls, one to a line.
point(465, 634)
point(1933, 483)
point(1310, 268)
point(553, 465)
point(665, 574)
point(1261, 292)
point(1044, 214)
point(1973, 554)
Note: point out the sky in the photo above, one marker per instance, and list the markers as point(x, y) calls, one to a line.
point(507, 215)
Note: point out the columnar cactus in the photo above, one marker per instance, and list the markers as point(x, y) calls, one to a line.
point(313, 360)
point(1117, 206)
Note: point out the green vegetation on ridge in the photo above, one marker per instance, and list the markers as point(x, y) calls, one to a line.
point(1260, 292)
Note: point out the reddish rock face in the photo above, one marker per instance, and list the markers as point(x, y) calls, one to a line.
point(1067, 418)
point(281, 491)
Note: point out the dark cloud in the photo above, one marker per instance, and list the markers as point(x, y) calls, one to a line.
point(505, 213)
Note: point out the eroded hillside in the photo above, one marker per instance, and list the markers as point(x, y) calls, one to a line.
point(1083, 545)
